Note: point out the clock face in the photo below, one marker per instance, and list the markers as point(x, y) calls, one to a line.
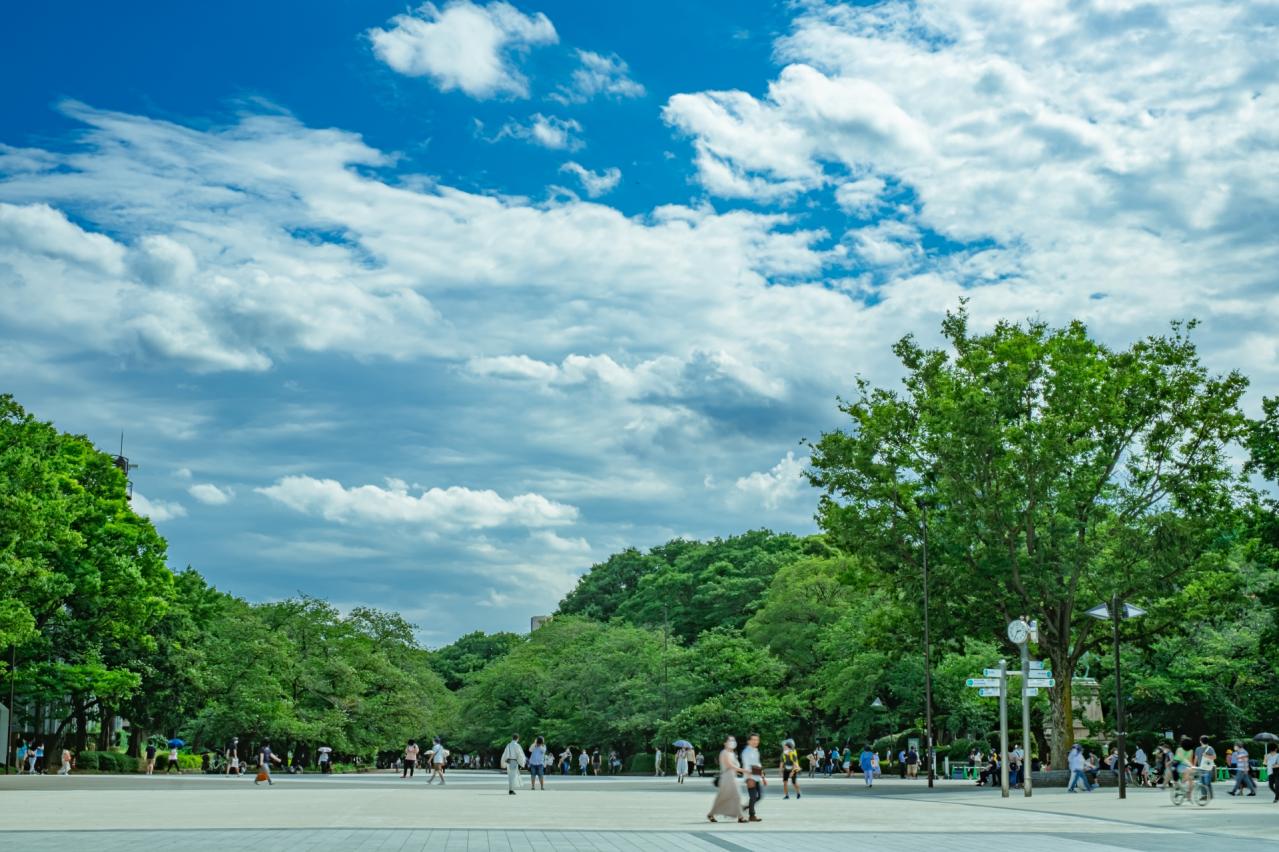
point(1018, 632)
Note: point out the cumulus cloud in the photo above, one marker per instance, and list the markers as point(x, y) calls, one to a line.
point(158, 511)
point(211, 495)
point(450, 508)
point(597, 75)
point(595, 183)
point(548, 131)
point(782, 483)
point(466, 46)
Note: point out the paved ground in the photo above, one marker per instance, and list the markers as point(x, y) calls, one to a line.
point(381, 812)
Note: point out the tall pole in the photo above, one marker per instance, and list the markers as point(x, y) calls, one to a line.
point(1025, 717)
point(1121, 762)
point(928, 667)
point(9, 751)
point(1003, 727)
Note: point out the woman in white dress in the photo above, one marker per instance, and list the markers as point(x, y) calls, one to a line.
point(728, 799)
point(681, 765)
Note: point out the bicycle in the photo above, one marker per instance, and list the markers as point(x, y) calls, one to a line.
point(1196, 788)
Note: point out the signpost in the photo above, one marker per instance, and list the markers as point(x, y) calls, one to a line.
point(1003, 728)
point(1035, 675)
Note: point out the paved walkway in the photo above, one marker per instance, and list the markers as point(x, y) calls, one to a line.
point(380, 812)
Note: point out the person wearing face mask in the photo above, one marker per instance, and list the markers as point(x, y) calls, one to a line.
point(728, 799)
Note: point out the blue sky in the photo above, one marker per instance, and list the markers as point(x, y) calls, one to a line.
point(430, 307)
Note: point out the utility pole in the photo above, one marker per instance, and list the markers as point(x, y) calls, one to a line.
point(10, 753)
point(928, 668)
point(1003, 727)
point(1025, 718)
point(1121, 764)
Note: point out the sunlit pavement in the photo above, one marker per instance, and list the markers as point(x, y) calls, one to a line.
point(378, 811)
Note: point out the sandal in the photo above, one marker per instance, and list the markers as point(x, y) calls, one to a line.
point(710, 818)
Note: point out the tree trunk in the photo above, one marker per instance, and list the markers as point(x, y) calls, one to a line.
point(1062, 736)
point(81, 725)
point(107, 722)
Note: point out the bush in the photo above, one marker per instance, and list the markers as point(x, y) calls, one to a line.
point(642, 763)
point(91, 760)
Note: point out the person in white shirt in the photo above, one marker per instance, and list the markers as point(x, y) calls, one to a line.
point(1272, 769)
point(437, 762)
point(514, 759)
point(1078, 766)
point(658, 769)
point(1142, 763)
point(1243, 775)
point(753, 767)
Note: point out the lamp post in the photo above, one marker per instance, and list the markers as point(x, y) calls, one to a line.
point(928, 668)
point(1113, 613)
point(9, 751)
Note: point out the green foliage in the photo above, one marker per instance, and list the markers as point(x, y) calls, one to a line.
point(1059, 471)
point(468, 654)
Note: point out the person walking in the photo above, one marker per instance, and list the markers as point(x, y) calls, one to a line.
point(700, 763)
point(681, 765)
point(1243, 772)
point(658, 769)
point(1272, 769)
point(566, 760)
point(150, 758)
point(537, 764)
point(1077, 764)
point(583, 762)
point(437, 762)
point(596, 762)
point(790, 768)
point(39, 766)
point(867, 763)
point(1141, 766)
point(514, 759)
point(846, 760)
point(728, 796)
point(66, 762)
point(912, 763)
point(173, 761)
point(753, 767)
point(410, 759)
point(265, 759)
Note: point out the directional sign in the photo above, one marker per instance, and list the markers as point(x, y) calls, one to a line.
point(1045, 682)
point(1030, 690)
point(985, 692)
point(983, 681)
point(1036, 664)
point(995, 672)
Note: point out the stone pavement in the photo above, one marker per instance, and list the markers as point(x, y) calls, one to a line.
point(381, 812)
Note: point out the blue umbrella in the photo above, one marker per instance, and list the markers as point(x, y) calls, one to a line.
point(682, 744)
point(177, 743)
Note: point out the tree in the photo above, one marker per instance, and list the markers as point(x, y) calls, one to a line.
point(470, 653)
point(1060, 472)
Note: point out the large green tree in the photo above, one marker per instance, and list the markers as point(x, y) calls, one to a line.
point(1059, 472)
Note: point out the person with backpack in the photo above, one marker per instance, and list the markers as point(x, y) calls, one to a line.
point(265, 758)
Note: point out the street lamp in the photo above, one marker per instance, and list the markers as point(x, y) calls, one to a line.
point(1113, 613)
point(928, 668)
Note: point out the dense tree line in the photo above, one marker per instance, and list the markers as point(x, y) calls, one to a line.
point(1052, 472)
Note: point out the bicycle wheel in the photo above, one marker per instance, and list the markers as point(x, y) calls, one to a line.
point(1177, 793)
point(1202, 795)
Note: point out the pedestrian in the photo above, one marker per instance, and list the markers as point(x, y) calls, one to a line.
point(583, 762)
point(596, 762)
point(172, 765)
point(566, 760)
point(912, 763)
point(790, 768)
point(410, 759)
point(681, 765)
point(150, 758)
point(813, 761)
point(1077, 764)
point(614, 762)
point(867, 763)
point(1272, 769)
point(514, 759)
point(326, 760)
point(658, 769)
point(66, 762)
point(1206, 760)
point(40, 767)
point(753, 767)
point(1141, 766)
point(1016, 761)
point(437, 761)
point(728, 797)
point(265, 758)
point(1243, 773)
point(537, 764)
point(846, 760)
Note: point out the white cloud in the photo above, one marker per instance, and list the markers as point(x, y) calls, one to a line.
point(211, 495)
point(860, 197)
point(435, 508)
point(598, 74)
point(784, 482)
point(595, 183)
point(464, 46)
point(548, 131)
point(158, 511)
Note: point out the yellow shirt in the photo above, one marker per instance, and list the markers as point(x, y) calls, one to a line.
point(790, 757)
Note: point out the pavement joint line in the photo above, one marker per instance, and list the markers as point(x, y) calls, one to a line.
point(712, 839)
